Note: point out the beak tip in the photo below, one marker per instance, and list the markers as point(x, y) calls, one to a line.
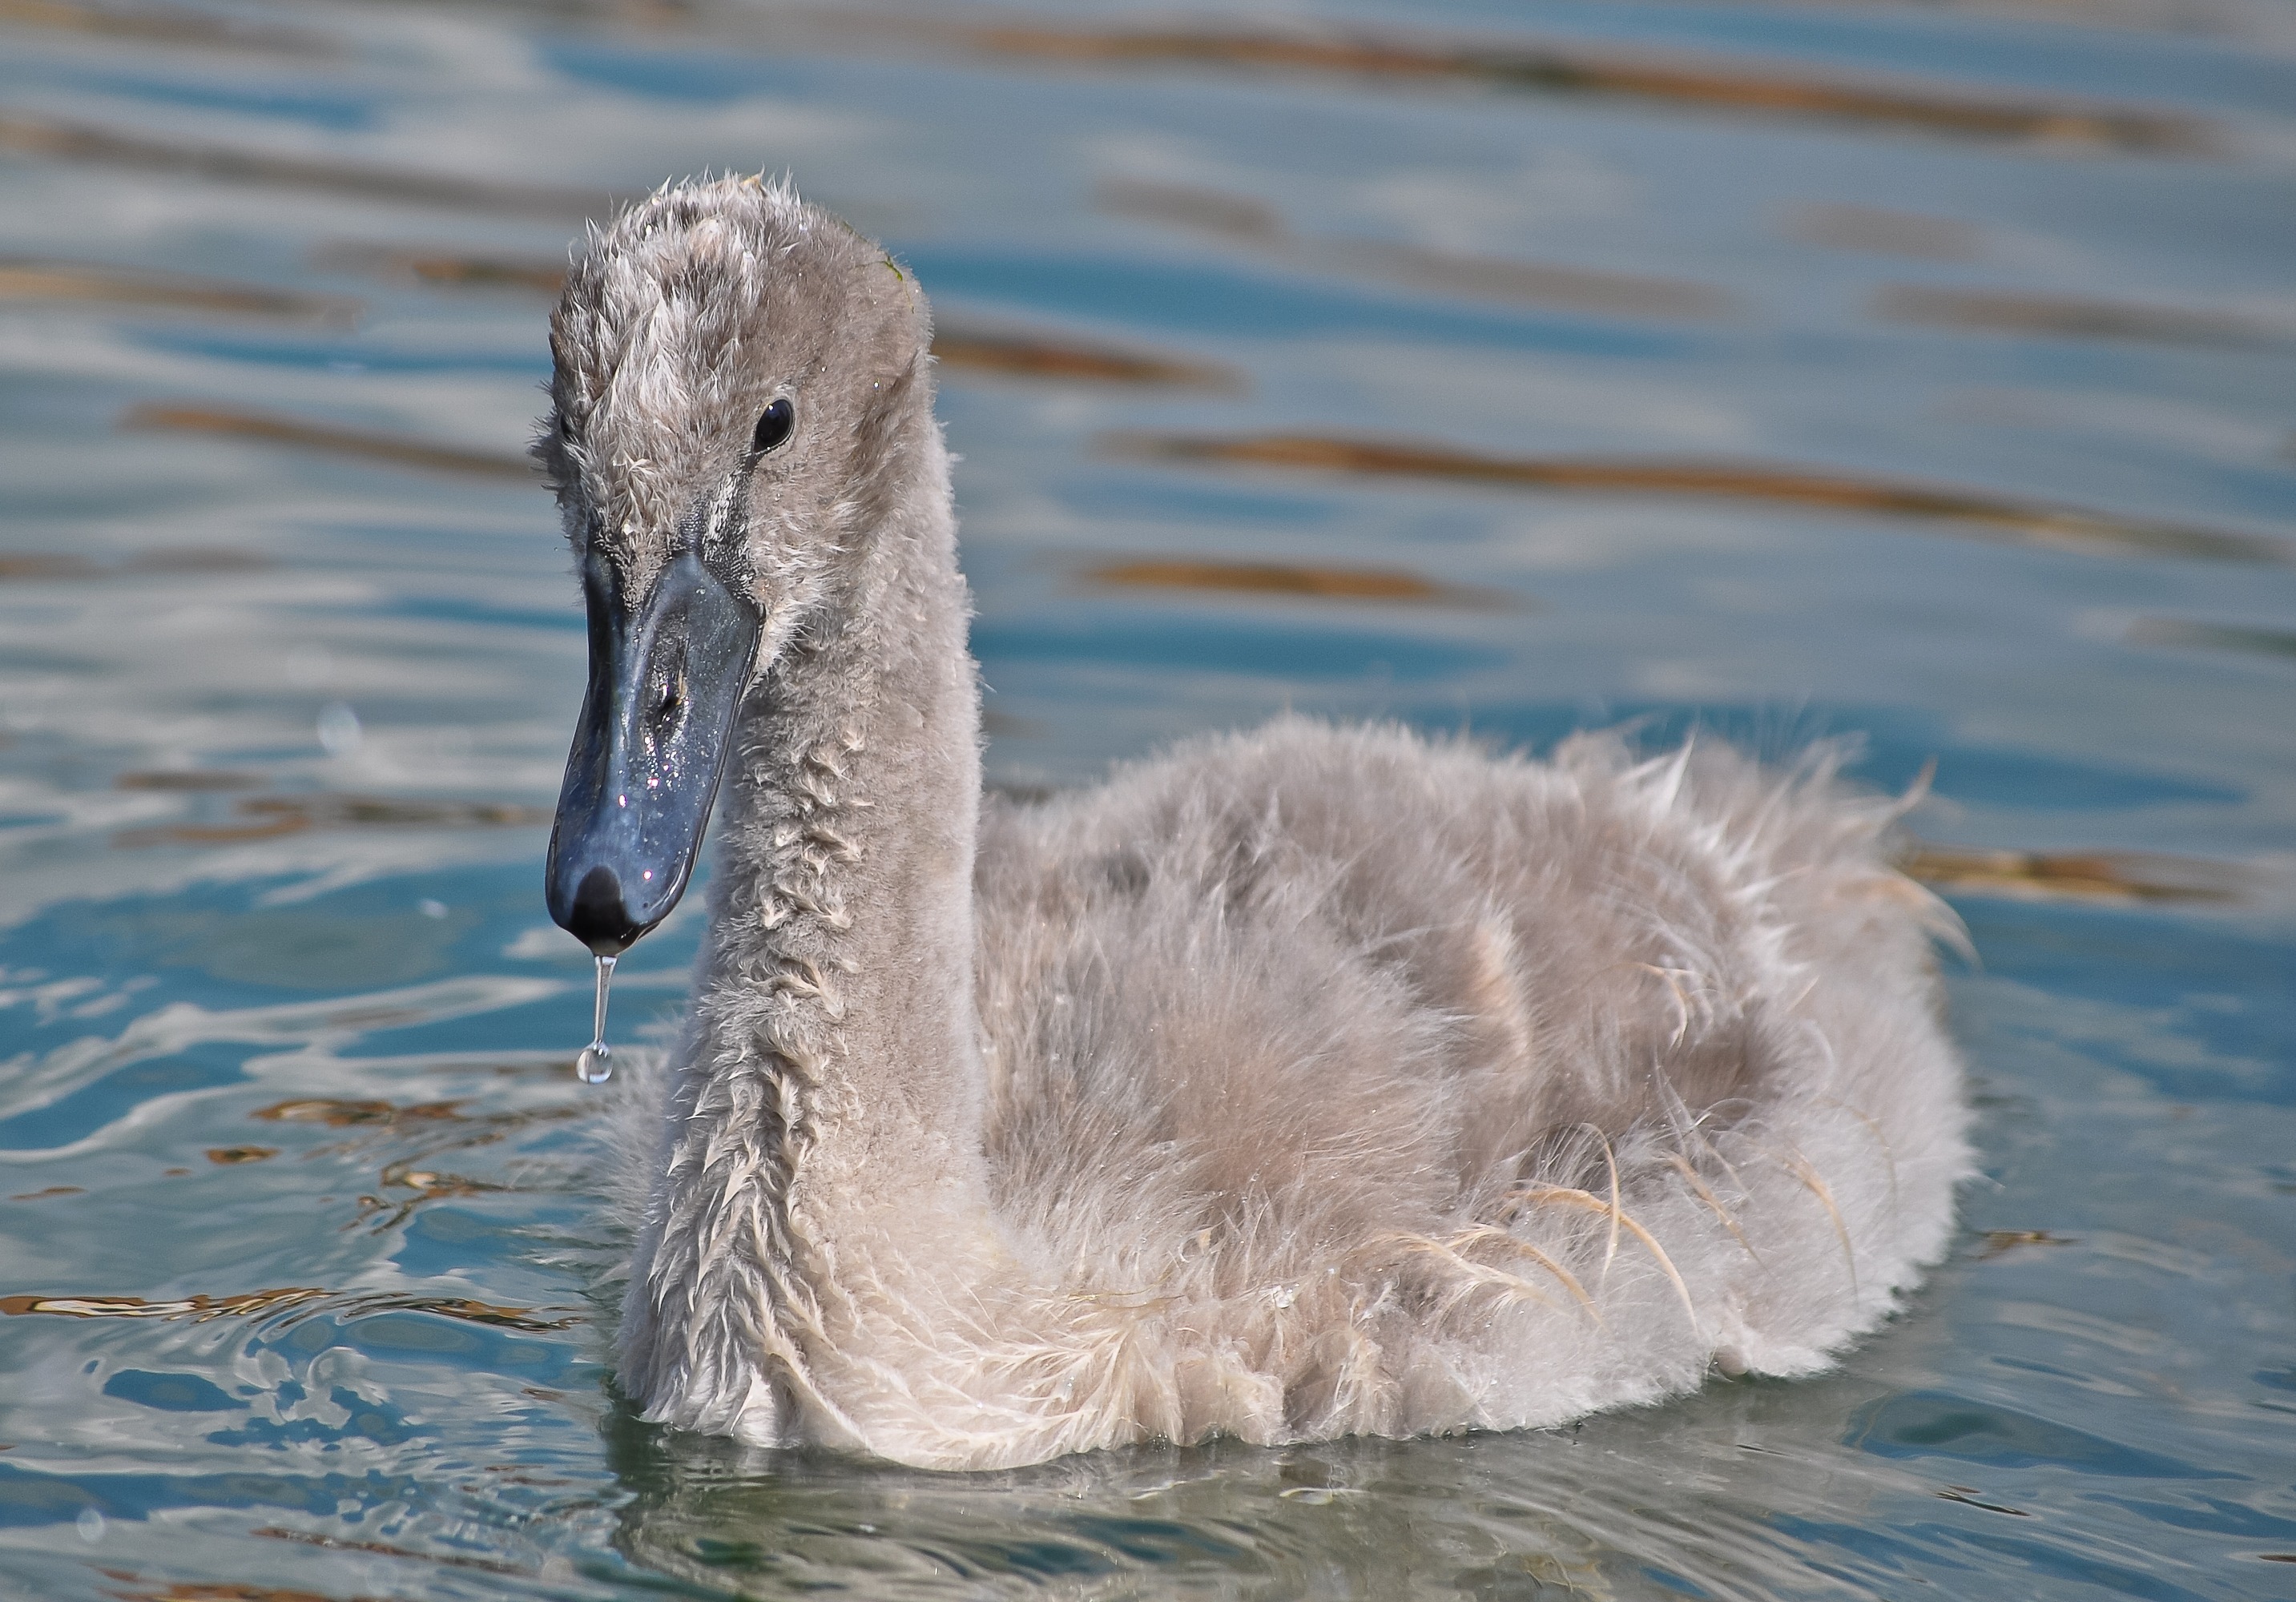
point(598, 916)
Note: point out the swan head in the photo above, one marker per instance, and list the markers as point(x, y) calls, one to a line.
point(736, 375)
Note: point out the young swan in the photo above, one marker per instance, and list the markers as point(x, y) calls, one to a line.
point(1314, 1080)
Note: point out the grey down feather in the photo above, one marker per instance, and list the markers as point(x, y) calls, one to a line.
point(1310, 1081)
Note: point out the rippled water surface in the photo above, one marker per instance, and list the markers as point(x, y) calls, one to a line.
point(1925, 371)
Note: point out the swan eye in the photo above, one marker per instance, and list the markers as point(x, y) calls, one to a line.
point(775, 426)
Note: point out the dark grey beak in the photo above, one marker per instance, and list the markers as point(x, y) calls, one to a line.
point(665, 685)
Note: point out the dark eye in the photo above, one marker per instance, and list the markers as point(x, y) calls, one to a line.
point(775, 425)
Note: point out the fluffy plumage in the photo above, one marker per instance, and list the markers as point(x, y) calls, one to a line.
point(1299, 1082)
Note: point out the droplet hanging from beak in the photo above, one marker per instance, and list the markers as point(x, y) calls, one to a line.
point(595, 1066)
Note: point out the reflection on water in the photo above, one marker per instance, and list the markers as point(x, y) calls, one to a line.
point(319, 437)
point(260, 1302)
point(167, 26)
point(1279, 579)
point(267, 817)
point(35, 280)
point(1555, 69)
point(1511, 371)
point(1730, 481)
point(2089, 875)
point(1258, 226)
point(58, 140)
point(2079, 319)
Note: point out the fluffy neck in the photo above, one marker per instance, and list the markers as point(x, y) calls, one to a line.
point(820, 1193)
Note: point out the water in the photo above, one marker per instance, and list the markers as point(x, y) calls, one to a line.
point(301, 1290)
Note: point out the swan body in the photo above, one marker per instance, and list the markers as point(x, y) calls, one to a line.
point(1312, 1081)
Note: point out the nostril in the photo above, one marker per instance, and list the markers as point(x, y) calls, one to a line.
point(598, 918)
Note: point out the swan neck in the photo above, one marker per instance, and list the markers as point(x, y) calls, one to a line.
point(847, 885)
point(823, 1133)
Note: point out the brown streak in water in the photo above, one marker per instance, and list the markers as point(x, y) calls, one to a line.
point(33, 565)
point(1997, 1241)
point(227, 1590)
point(1028, 355)
point(199, 1307)
point(1211, 210)
point(273, 817)
point(328, 811)
point(51, 1190)
point(1882, 232)
point(444, 267)
point(380, 1548)
point(25, 279)
point(25, 134)
point(230, 1155)
point(339, 1114)
point(272, 430)
point(1712, 84)
point(203, 1308)
point(2123, 876)
point(195, 558)
point(2065, 317)
point(467, 1311)
point(1575, 289)
point(2035, 523)
point(162, 26)
point(207, 834)
point(1257, 225)
point(2188, 17)
point(406, 1176)
point(48, 564)
point(387, 1117)
point(1275, 578)
point(187, 780)
point(2216, 636)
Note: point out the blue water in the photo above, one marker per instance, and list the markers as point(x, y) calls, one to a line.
point(301, 1288)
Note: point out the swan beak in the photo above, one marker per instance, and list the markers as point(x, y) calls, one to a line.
point(667, 679)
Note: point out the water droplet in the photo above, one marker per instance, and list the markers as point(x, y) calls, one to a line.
point(595, 1066)
point(340, 734)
